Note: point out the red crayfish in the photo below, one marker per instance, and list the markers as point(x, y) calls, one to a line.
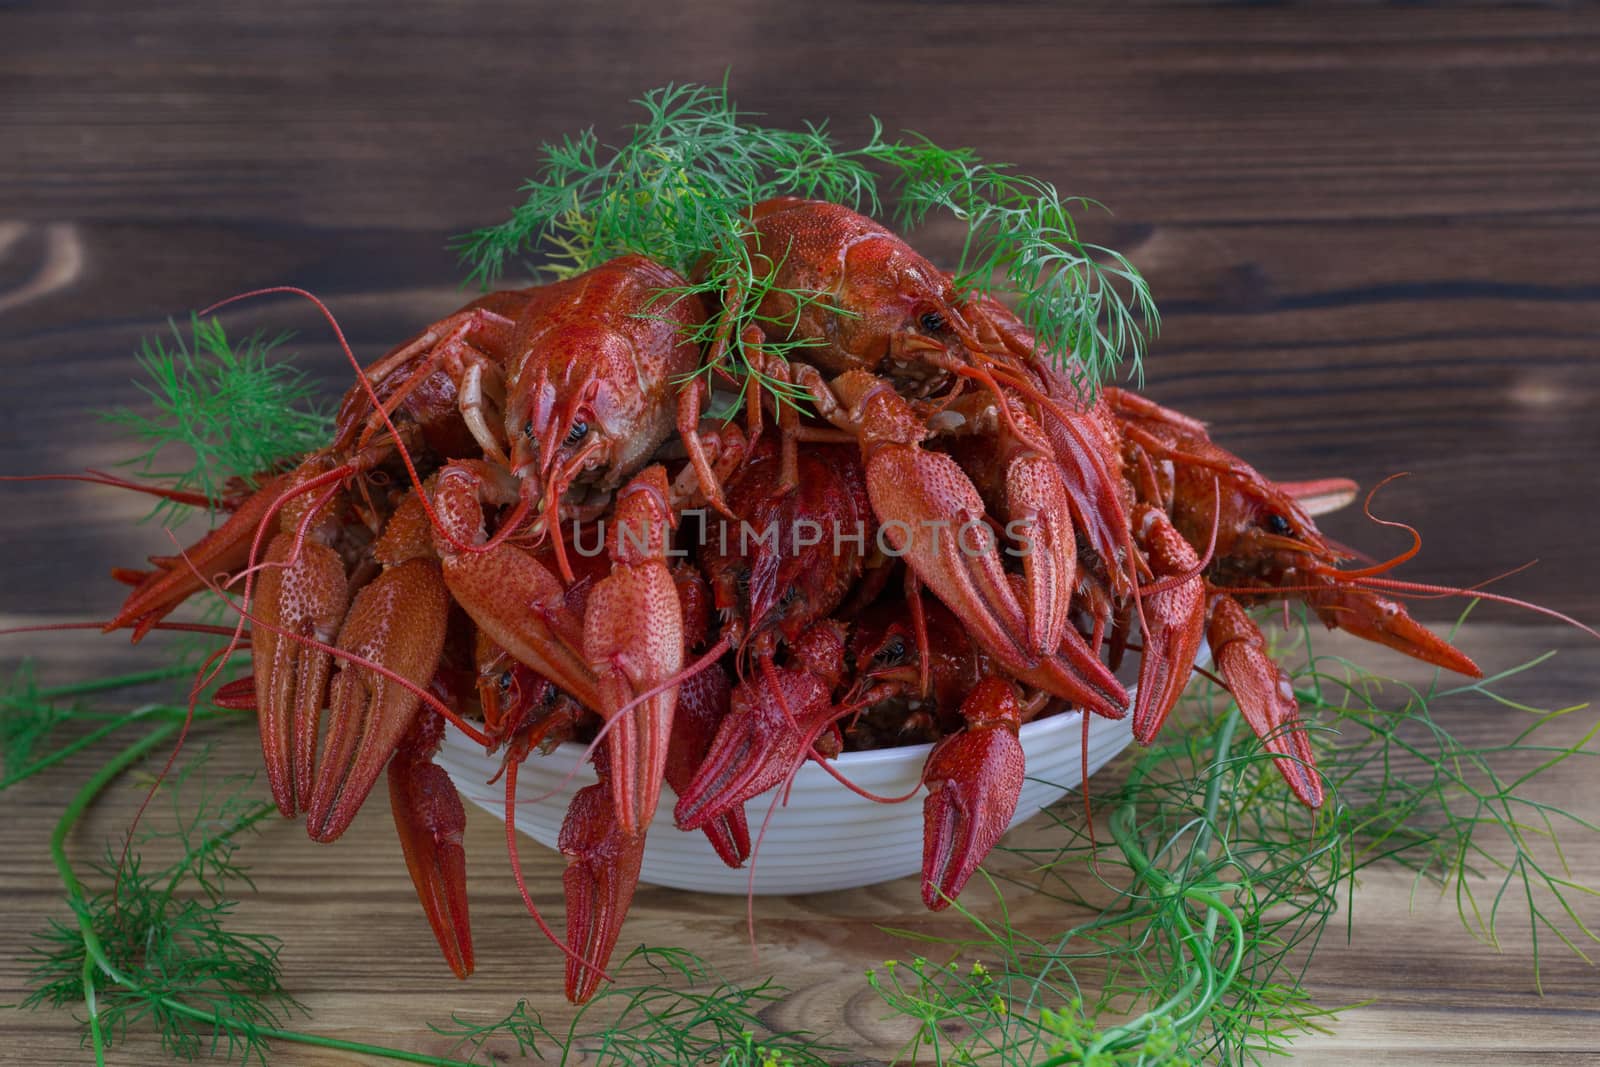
point(985, 545)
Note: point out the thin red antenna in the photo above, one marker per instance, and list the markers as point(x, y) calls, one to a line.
point(94, 477)
point(522, 884)
point(1389, 564)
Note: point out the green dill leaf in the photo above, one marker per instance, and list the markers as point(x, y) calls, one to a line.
point(201, 986)
point(678, 190)
point(1208, 901)
point(667, 1005)
point(522, 1025)
point(219, 410)
point(26, 723)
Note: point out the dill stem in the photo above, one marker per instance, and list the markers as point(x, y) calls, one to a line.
point(94, 1012)
point(1202, 945)
point(121, 681)
point(95, 954)
point(1202, 838)
point(62, 753)
point(114, 724)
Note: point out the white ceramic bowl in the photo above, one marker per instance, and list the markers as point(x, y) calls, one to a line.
point(825, 838)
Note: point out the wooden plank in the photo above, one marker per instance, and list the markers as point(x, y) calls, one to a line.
point(358, 952)
point(1371, 230)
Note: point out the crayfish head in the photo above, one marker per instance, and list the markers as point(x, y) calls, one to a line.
point(902, 316)
point(880, 307)
point(1345, 606)
point(1270, 561)
point(821, 651)
point(1257, 526)
point(569, 415)
point(884, 653)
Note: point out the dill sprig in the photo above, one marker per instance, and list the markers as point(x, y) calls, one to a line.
point(1210, 897)
point(677, 191)
point(163, 931)
point(1022, 242)
point(231, 409)
point(679, 188)
point(30, 717)
point(682, 1012)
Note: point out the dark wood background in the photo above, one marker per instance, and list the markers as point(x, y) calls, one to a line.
point(1372, 231)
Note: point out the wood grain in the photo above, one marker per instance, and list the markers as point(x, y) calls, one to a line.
point(1371, 229)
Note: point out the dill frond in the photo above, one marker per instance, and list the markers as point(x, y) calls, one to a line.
point(679, 188)
point(1022, 242)
point(229, 409)
point(164, 932)
point(30, 718)
point(26, 723)
point(668, 1005)
point(1212, 894)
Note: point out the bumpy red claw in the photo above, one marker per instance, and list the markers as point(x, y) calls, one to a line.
point(974, 778)
point(1175, 621)
point(628, 642)
point(1265, 697)
point(175, 579)
point(430, 821)
point(933, 516)
point(397, 621)
point(603, 860)
point(703, 706)
point(776, 717)
point(633, 638)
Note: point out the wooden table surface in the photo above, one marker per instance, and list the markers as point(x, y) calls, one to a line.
point(1372, 232)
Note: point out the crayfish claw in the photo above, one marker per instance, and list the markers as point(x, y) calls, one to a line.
point(603, 861)
point(1265, 697)
point(703, 705)
point(974, 779)
point(302, 595)
point(430, 821)
point(397, 622)
point(1175, 621)
point(174, 579)
point(633, 640)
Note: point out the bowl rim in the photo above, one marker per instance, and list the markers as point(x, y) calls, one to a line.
point(1045, 726)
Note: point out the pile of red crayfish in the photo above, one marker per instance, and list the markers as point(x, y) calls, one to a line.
point(526, 525)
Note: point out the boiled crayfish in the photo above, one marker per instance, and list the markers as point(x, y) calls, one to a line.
point(751, 596)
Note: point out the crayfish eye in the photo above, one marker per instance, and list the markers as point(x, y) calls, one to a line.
point(505, 682)
point(892, 653)
point(579, 431)
point(527, 429)
point(741, 581)
point(1277, 524)
point(790, 595)
point(931, 322)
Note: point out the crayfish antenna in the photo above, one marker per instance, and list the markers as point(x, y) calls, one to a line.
point(94, 477)
point(573, 958)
